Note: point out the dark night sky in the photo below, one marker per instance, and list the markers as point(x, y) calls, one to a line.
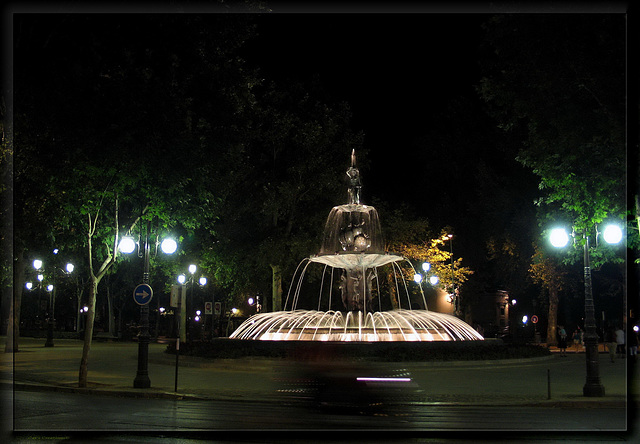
point(396, 71)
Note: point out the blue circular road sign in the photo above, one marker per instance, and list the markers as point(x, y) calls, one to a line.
point(142, 294)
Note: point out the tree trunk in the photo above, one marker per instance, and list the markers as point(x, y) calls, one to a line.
point(112, 317)
point(13, 325)
point(276, 288)
point(552, 317)
point(79, 292)
point(88, 332)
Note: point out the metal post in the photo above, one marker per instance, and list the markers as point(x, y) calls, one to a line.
point(49, 341)
point(142, 376)
point(592, 387)
point(178, 322)
point(453, 280)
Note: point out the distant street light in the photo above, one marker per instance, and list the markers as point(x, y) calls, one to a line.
point(559, 238)
point(454, 291)
point(183, 280)
point(181, 324)
point(432, 278)
point(51, 289)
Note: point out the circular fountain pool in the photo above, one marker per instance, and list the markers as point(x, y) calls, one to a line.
point(394, 325)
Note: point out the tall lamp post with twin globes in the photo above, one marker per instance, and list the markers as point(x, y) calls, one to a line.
point(51, 289)
point(181, 324)
point(182, 280)
point(143, 296)
point(560, 238)
point(37, 264)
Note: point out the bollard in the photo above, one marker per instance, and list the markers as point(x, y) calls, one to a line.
point(548, 384)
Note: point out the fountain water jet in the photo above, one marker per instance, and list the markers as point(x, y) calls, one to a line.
point(353, 244)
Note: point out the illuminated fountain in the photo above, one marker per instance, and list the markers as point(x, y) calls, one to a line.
point(354, 260)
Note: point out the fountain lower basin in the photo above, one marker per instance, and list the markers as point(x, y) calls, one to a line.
point(395, 325)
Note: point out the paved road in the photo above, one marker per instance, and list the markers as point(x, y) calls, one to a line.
point(50, 412)
point(220, 394)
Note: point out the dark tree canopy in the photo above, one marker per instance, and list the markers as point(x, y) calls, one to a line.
point(559, 83)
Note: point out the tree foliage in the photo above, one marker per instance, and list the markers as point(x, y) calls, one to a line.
point(282, 184)
point(414, 238)
point(558, 82)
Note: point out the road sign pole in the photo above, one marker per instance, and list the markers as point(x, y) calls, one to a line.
point(142, 376)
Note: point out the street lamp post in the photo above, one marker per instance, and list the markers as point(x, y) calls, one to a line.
point(418, 278)
point(454, 295)
point(181, 314)
point(127, 245)
point(51, 289)
point(559, 238)
point(142, 375)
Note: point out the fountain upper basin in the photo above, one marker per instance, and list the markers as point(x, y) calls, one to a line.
point(356, 260)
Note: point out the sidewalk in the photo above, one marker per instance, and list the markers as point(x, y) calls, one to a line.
point(113, 368)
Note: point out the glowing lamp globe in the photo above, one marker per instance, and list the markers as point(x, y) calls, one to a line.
point(169, 246)
point(612, 234)
point(127, 245)
point(559, 237)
